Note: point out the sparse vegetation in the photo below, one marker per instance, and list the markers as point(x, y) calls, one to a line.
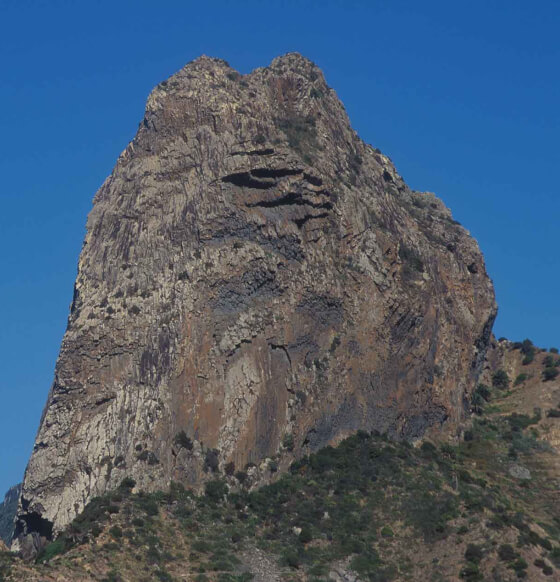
point(521, 378)
point(301, 134)
point(340, 503)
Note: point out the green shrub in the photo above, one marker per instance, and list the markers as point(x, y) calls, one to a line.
point(300, 132)
point(163, 575)
point(506, 553)
point(288, 442)
point(429, 513)
point(216, 490)
point(387, 532)
point(474, 553)
point(554, 556)
point(59, 546)
point(520, 565)
point(520, 379)
point(305, 535)
point(500, 379)
point(549, 362)
point(241, 476)
point(471, 572)
point(522, 421)
point(368, 564)
point(528, 350)
point(550, 373)
point(547, 570)
point(202, 546)
point(211, 460)
point(480, 397)
point(291, 558)
point(428, 450)
point(112, 576)
point(553, 350)
point(412, 262)
point(127, 484)
point(553, 413)
point(147, 504)
point(182, 440)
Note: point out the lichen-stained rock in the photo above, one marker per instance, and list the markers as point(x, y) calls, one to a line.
point(258, 277)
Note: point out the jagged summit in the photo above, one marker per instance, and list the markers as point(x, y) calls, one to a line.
point(256, 282)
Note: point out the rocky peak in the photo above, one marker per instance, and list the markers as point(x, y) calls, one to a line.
point(256, 282)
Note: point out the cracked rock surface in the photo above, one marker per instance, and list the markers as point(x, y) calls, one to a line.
point(255, 275)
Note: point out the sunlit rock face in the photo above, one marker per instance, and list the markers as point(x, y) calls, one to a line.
point(258, 280)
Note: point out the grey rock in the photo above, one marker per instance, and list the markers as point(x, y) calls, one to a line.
point(252, 269)
point(519, 472)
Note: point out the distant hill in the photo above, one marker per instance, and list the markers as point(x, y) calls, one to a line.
point(7, 512)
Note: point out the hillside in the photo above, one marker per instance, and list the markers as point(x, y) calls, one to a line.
point(480, 507)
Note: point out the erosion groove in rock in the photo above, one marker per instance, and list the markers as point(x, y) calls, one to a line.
point(257, 278)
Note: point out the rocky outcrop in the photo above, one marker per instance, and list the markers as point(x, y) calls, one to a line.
point(8, 513)
point(255, 282)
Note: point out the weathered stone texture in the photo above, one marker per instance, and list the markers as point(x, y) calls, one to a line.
point(252, 270)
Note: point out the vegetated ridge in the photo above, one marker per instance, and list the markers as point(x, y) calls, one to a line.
point(482, 507)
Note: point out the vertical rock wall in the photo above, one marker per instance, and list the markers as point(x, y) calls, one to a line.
point(259, 281)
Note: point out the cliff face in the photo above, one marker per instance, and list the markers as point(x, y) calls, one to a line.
point(256, 276)
point(8, 512)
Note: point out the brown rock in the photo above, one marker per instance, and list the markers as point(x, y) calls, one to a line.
point(258, 277)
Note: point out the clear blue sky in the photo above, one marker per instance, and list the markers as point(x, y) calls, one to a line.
point(463, 96)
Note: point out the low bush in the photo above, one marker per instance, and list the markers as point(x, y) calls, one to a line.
point(387, 532)
point(506, 553)
point(550, 373)
point(288, 442)
point(549, 361)
point(500, 379)
point(528, 350)
point(520, 379)
point(216, 490)
point(59, 546)
point(211, 460)
point(471, 572)
point(480, 397)
point(127, 484)
point(474, 553)
point(183, 441)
